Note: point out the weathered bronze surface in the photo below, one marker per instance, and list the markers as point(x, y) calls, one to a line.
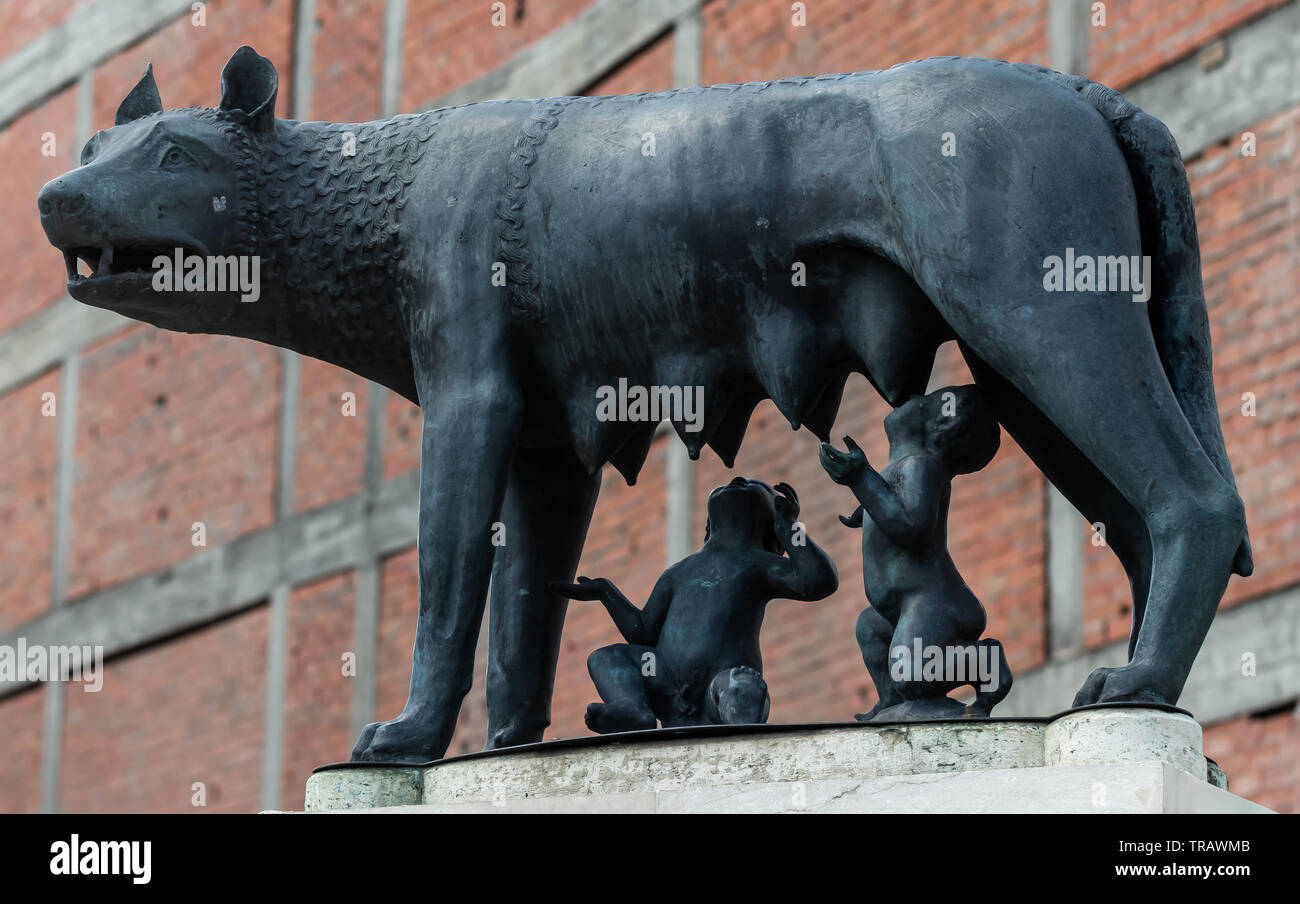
point(499, 263)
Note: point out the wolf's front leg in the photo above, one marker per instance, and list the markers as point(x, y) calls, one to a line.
point(546, 511)
point(470, 431)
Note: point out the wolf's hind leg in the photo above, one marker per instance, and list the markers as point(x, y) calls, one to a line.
point(1092, 365)
point(1077, 478)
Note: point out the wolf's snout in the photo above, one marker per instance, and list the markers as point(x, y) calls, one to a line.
point(59, 197)
point(58, 201)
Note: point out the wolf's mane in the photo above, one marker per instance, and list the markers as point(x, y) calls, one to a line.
point(325, 222)
point(329, 219)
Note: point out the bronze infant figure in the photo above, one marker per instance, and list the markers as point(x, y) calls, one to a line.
point(920, 637)
point(691, 656)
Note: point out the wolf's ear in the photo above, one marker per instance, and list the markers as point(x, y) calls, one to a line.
point(142, 101)
point(248, 86)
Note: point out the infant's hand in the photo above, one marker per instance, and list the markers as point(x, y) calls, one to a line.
point(843, 467)
point(787, 503)
point(584, 589)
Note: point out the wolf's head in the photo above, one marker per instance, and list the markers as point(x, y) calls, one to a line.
point(158, 181)
point(318, 205)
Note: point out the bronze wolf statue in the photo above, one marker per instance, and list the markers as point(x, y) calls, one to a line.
point(498, 263)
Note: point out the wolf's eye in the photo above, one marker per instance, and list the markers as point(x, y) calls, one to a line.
point(174, 156)
point(88, 152)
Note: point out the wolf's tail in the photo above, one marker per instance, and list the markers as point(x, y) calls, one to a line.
point(1179, 321)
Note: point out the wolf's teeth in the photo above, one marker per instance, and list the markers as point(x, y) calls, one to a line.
point(70, 262)
point(90, 257)
point(105, 261)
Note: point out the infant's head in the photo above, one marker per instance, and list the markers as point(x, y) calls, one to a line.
point(743, 509)
point(955, 422)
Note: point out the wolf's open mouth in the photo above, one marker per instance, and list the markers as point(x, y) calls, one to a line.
point(118, 261)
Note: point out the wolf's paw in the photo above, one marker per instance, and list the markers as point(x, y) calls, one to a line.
point(1132, 683)
point(401, 740)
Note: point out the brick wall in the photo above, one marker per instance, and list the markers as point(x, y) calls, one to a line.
point(172, 429)
point(183, 712)
point(28, 442)
point(1259, 754)
point(31, 287)
point(316, 722)
point(1139, 37)
point(20, 751)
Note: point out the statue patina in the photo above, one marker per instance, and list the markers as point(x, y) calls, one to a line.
point(676, 269)
point(920, 637)
point(691, 656)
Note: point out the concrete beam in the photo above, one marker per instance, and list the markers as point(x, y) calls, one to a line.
point(1067, 33)
point(222, 581)
point(61, 53)
point(680, 477)
point(576, 55)
point(390, 80)
point(1263, 634)
point(1065, 540)
point(277, 636)
point(1260, 76)
point(65, 476)
point(367, 583)
point(56, 331)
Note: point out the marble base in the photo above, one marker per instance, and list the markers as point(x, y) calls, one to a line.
point(1098, 760)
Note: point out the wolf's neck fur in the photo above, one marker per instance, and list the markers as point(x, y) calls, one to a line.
point(328, 230)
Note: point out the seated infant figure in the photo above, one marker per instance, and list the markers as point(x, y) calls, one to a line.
point(691, 656)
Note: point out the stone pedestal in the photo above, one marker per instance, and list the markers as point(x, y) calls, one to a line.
point(1097, 760)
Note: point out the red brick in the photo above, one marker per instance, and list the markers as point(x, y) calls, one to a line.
point(331, 444)
point(448, 45)
point(29, 444)
point(189, 710)
point(23, 718)
point(187, 59)
point(1259, 756)
point(172, 429)
point(1143, 36)
point(40, 279)
point(318, 697)
point(756, 40)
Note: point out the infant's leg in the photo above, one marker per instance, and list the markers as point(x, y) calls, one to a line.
point(616, 672)
point(985, 700)
point(737, 697)
point(944, 640)
point(873, 633)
